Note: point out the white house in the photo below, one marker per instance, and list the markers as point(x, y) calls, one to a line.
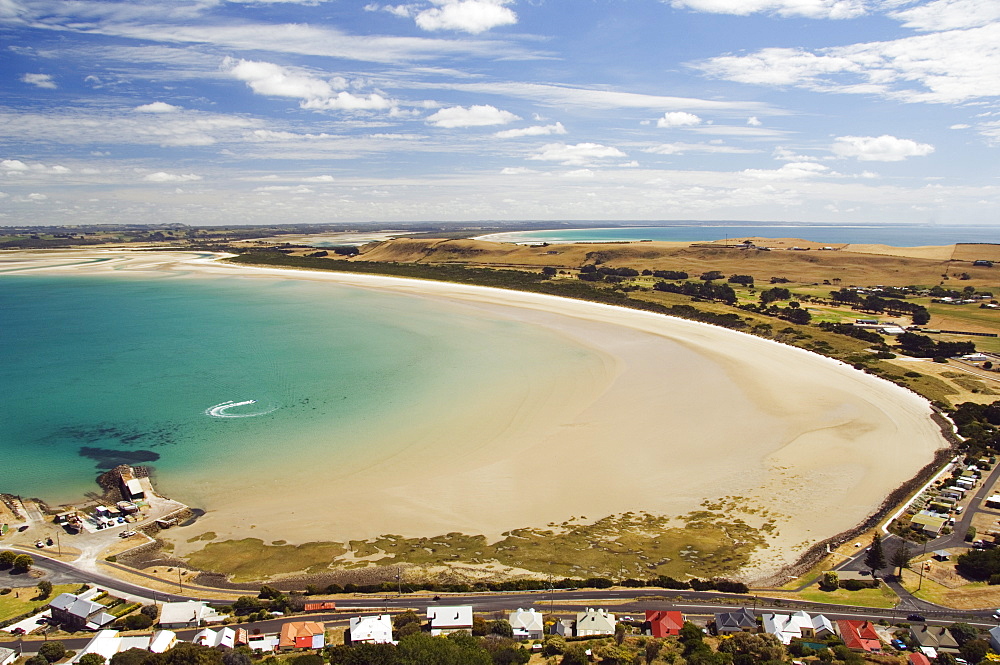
point(788, 627)
point(450, 619)
point(373, 630)
point(188, 614)
point(527, 624)
point(107, 643)
point(595, 622)
point(224, 637)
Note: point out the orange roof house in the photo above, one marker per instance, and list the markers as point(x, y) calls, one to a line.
point(663, 623)
point(302, 635)
point(859, 635)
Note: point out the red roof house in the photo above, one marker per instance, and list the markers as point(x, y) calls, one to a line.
point(663, 623)
point(918, 659)
point(859, 635)
point(302, 635)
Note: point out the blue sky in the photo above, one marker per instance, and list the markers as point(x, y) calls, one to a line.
point(285, 111)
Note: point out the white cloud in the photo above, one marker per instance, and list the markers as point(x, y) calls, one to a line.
point(16, 167)
point(681, 148)
point(832, 9)
point(790, 171)
point(949, 15)
point(752, 121)
point(294, 189)
point(474, 16)
point(36, 196)
point(941, 67)
point(678, 119)
point(537, 130)
point(579, 173)
point(517, 170)
point(576, 155)
point(473, 116)
point(269, 79)
point(39, 80)
point(320, 178)
point(162, 176)
point(883, 148)
point(960, 126)
point(559, 96)
point(157, 107)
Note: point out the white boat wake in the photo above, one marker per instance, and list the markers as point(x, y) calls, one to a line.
point(221, 410)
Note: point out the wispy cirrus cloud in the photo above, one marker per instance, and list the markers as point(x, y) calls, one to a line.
point(581, 154)
point(829, 9)
point(163, 176)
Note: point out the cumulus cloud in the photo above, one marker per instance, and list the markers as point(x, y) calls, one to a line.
point(537, 130)
point(517, 170)
point(474, 16)
point(320, 178)
point(941, 67)
point(790, 171)
point(576, 155)
point(678, 119)
point(39, 80)
point(752, 121)
point(163, 176)
point(16, 167)
point(157, 107)
point(831, 9)
point(473, 116)
point(883, 148)
point(271, 80)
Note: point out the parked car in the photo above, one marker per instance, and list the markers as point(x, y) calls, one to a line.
point(899, 644)
point(915, 617)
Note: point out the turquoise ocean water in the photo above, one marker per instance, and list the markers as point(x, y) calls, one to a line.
point(896, 235)
point(99, 370)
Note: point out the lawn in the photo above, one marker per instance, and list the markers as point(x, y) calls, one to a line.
point(882, 597)
point(22, 601)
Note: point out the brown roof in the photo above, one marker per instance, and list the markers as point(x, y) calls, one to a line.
point(295, 629)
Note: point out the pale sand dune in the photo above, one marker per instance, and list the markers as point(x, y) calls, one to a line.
point(685, 412)
point(932, 252)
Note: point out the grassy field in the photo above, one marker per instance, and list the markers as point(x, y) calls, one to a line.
point(22, 601)
point(250, 559)
point(882, 597)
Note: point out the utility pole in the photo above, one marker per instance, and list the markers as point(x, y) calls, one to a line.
point(180, 583)
point(922, 564)
point(58, 544)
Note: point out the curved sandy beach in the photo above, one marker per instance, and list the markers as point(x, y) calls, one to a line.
point(685, 412)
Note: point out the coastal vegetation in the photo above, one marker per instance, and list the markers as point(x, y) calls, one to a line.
point(709, 543)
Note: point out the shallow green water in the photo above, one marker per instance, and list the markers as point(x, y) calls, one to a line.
point(98, 370)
